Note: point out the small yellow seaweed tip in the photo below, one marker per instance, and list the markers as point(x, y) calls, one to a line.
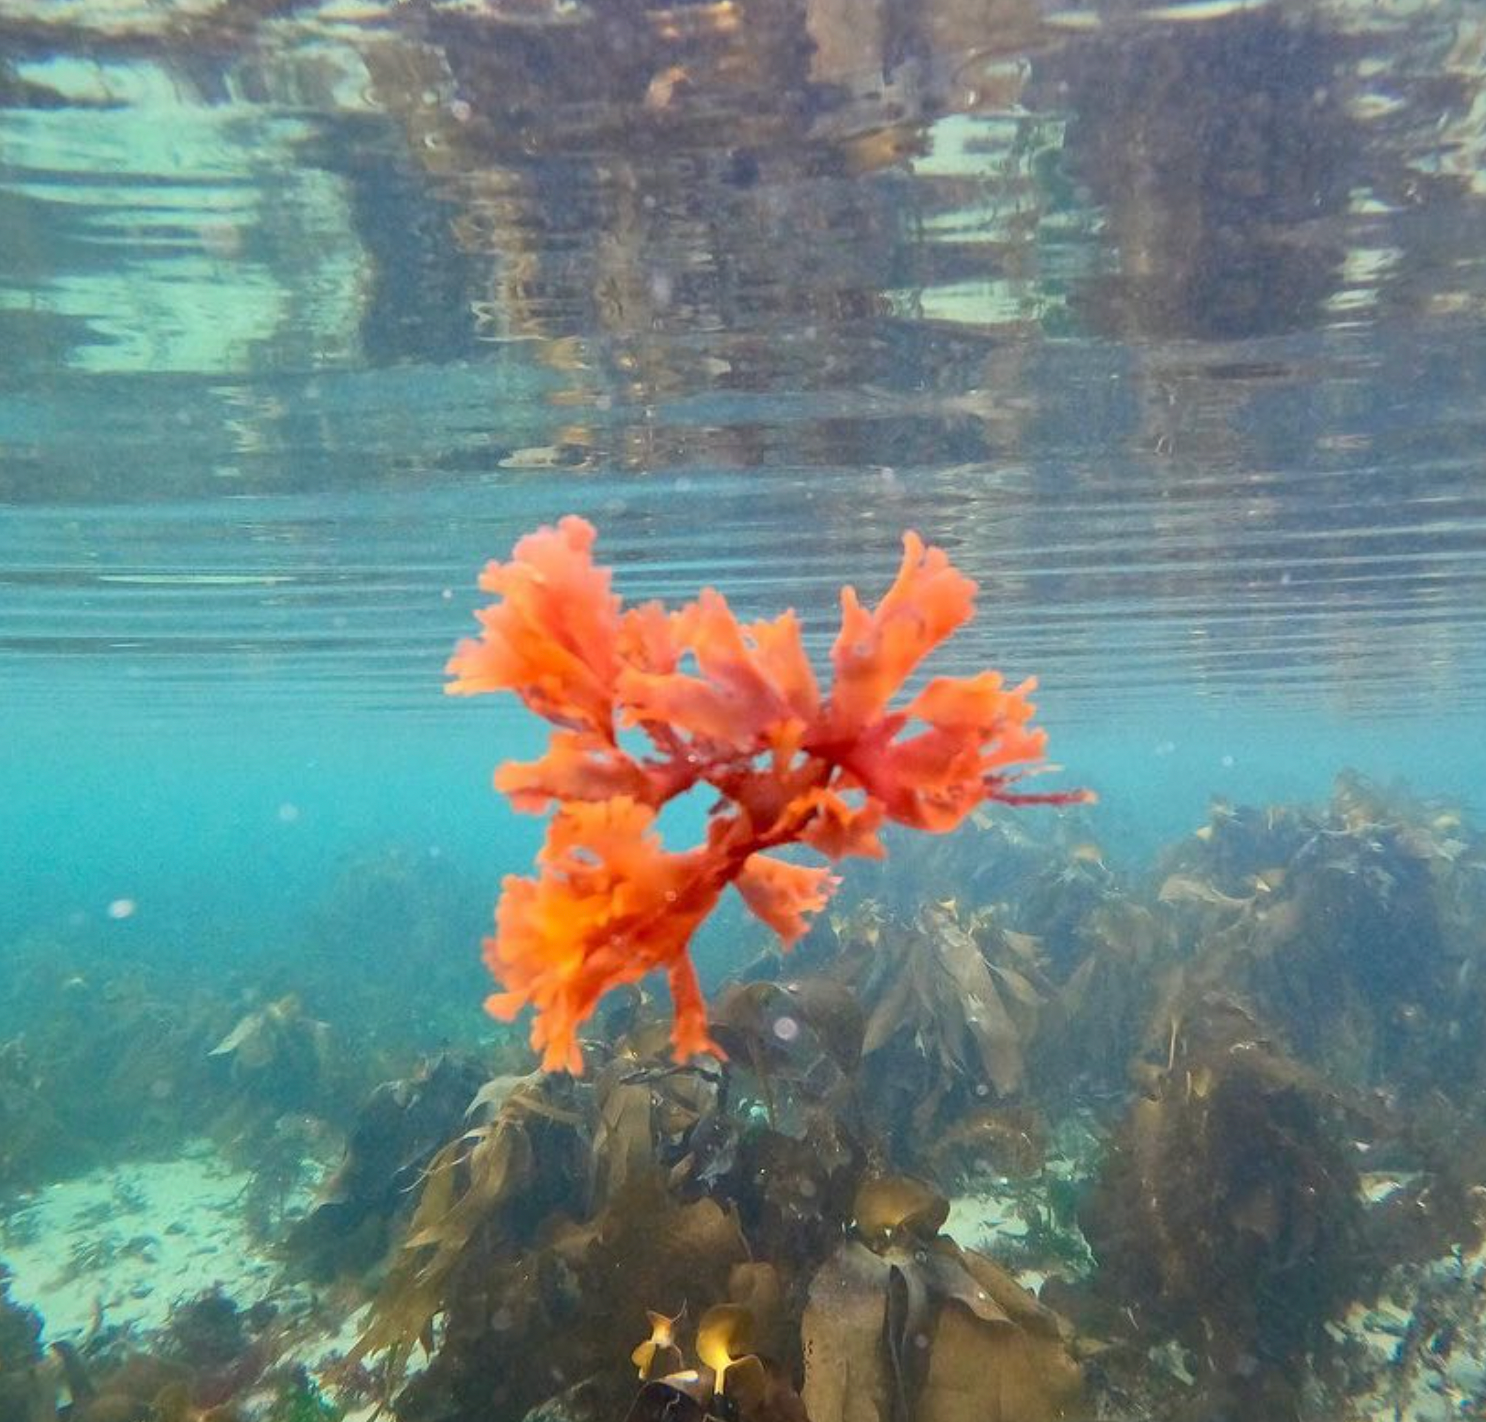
point(662, 1340)
point(723, 1340)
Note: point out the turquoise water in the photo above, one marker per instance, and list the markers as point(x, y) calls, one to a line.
point(229, 839)
point(1167, 322)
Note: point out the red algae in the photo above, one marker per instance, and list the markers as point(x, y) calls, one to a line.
point(733, 706)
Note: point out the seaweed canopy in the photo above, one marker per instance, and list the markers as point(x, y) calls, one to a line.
point(733, 707)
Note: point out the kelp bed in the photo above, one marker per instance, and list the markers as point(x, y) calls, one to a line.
point(1233, 1103)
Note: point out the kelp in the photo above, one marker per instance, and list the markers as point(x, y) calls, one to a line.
point(894, 1209)
point(902, 1325)
point(575, 1294)
point(477, 1190)
point(137, 1052)
point(736, 1375)
point(576, 1249)
point(28, 1388)
point(666, 1250)
point(805, 1030)
point(776, 1128)
point(794, 1191)
point(32, 1138)
point(112, 1060)
point(1070, 885)
point(1096, 1021)
point(86, 1382)
point(624, 1134)
point(1009, 1141)
point(658, 1354)
point(654, 1111)
point(1238, 845)
point(571, 1218)
point(497, 1163)
point(396, 1132)
point(1350, 948)
point(952, 1004)
point(1317, 992)
point(800, 1041)
point(278, 1052)
point(601, 1224)
point(1227, 1213)
point(989, 860)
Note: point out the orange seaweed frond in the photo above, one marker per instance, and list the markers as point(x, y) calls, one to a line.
point(837, 828)
point(552, 639)
point(609, 905)
point(749, 680)
point(782, 894)
point(877, 651)
point(972, 728)
point(579, 765)
point(735, 707)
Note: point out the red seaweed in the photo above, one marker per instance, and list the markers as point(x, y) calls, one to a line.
point(732, 706)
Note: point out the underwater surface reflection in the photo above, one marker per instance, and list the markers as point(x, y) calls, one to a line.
point(1167, 323)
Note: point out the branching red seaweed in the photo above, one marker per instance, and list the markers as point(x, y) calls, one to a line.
point(733, 706)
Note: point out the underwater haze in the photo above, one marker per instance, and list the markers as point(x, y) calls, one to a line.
point(1166, 323)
